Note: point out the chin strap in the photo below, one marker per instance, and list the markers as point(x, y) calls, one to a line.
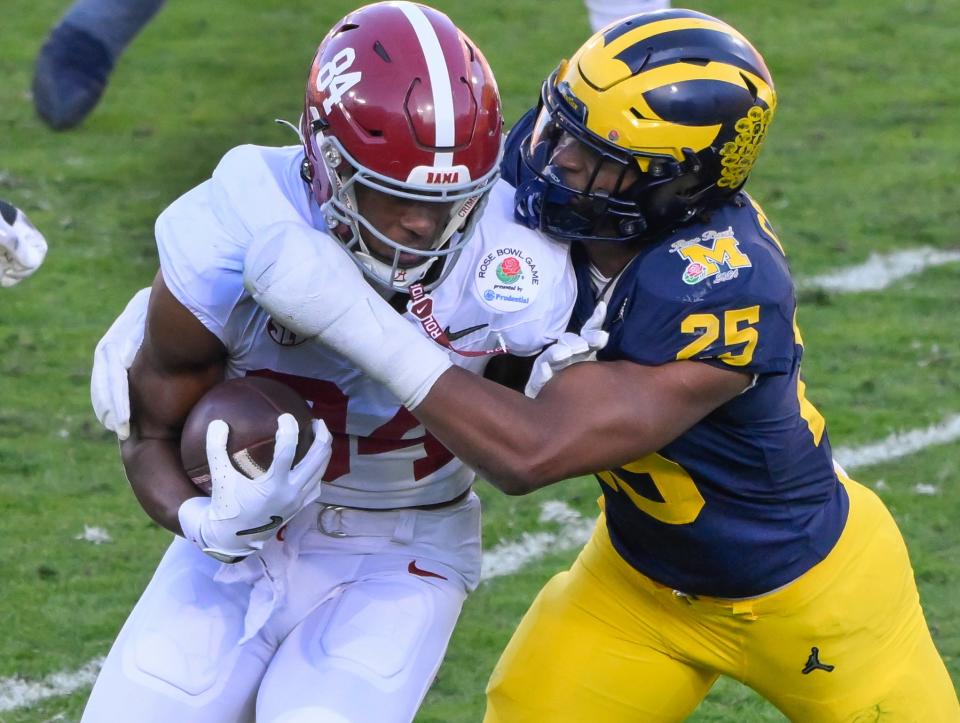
point(400, 279)
point(421, 306)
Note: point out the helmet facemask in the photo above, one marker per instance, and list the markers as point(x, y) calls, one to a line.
point(348, 222)
point(401, 106)
point(627, 195)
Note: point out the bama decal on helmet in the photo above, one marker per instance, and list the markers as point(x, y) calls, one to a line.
point(400, 102)
point(434, 176)
point(400, 86)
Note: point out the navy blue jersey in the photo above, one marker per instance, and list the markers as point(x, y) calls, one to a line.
point(747, 499)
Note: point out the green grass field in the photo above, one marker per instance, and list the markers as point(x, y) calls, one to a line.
point(862, 158)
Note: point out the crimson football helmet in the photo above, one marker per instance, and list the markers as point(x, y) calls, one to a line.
point(399, 100)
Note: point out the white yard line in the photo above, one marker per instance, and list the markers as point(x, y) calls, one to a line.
point(899, 444)
point(880, 270)
point(509, 557)
point(572, 531)
point(19, 693)
point(506, 558)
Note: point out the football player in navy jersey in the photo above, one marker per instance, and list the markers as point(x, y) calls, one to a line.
point(729, 542)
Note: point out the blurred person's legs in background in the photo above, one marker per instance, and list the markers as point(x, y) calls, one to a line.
point(76, 60)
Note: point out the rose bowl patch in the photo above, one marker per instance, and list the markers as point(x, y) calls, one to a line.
point(507, 279)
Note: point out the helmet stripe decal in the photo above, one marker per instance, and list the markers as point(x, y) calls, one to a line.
point(667, 76)
point(625, 35)
point(603, 61)
point(695, 43)
point(439, 81)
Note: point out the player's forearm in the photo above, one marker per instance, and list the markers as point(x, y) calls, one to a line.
point(515, 443)
point(157, 478)
point(592, 416)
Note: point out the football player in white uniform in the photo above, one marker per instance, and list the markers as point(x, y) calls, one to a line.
point(344, 613)
point(22, 246)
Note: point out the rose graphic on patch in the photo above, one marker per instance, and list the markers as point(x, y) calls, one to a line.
point(694, 272)
point(508, 271)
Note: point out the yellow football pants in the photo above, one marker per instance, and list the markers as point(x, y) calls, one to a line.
point(847, 641)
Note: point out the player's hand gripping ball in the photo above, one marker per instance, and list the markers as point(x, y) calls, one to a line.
point(250, 407)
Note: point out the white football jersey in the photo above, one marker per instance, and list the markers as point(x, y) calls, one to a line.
point(509, 284)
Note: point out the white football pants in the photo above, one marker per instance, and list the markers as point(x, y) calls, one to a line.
point(604, 12)
point(347, 620)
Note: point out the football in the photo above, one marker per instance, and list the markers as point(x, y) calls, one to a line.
point(250, 407)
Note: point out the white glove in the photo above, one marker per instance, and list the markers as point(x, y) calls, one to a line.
point(310, 285)
point(570, 349)
point(243, 513)
point(114, 355)
point(22, 246)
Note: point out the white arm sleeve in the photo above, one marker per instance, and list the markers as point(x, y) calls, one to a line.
point(309, 284)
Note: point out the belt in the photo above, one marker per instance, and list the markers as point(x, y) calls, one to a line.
point(333, 520)
point(437, 505)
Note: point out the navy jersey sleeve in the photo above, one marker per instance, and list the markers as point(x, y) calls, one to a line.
point(512, 169)
point(719, 292)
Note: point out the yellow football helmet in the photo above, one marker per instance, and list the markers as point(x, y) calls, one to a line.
point(669, 108)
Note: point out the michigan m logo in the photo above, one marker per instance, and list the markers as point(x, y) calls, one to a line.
point(705, 261)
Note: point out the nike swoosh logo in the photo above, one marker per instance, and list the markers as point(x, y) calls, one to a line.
point(274, 523)
point(419, 572)
point(424, 307)
point(454, 335)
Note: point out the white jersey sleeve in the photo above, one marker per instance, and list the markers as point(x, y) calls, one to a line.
point(202, 265)
point(202, 236)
